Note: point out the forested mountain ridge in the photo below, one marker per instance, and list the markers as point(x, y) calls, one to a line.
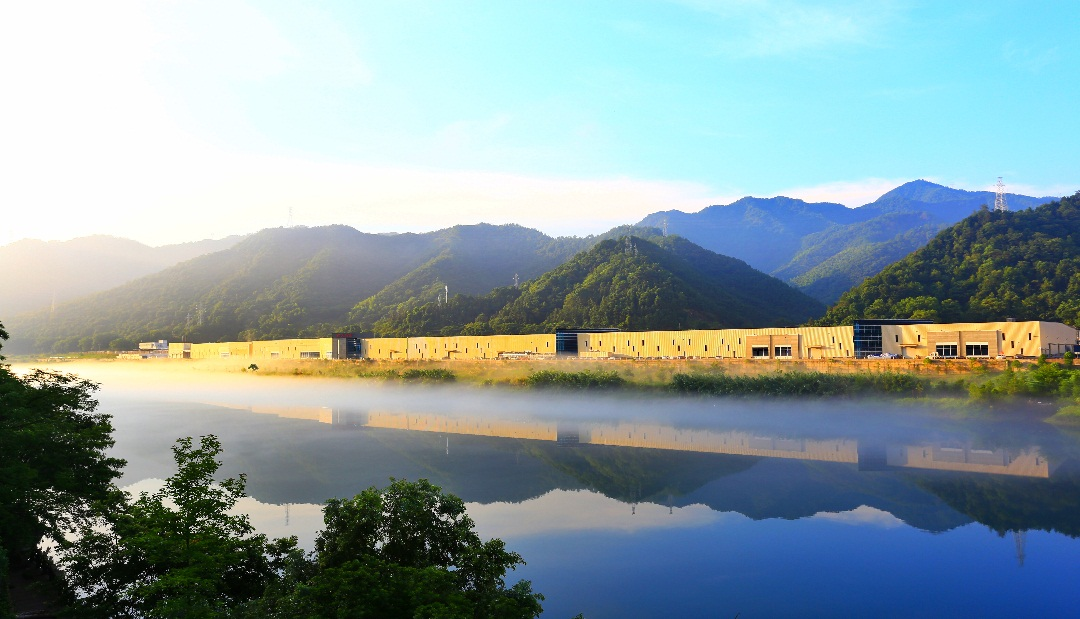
point(286, 282)
point(990, 266)
point(37, 273)
point(825, 248)
point(629, 283)
point(472, 261)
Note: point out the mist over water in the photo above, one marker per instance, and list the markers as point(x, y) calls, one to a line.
point(626, 506)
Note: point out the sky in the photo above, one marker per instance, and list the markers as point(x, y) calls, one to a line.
point(168, 122)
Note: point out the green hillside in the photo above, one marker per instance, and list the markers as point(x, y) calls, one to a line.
point(289, 282)
point(629, 283)
point(990, 266)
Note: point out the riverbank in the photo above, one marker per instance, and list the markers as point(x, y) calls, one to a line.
point(963, 386)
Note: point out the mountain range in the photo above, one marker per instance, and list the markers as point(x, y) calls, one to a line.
point(825, 248)
point(308, 281)
point(989, 266)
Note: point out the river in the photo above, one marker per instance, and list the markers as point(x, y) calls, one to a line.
point(625, 506)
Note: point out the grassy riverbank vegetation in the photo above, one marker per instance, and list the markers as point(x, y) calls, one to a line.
point(981, 383)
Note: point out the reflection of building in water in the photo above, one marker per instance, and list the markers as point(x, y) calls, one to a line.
point(953, 457)
point(655, 436)
point(868, 455)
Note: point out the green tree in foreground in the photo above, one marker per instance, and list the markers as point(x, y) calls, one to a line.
point(177, 552)
point(53, 466)
point(406, 551)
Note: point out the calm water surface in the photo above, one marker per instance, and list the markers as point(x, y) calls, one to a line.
point(631, 507)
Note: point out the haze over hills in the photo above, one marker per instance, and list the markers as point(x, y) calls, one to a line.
point(310, 281)
point(286, 282)
point(629, 283)
point(825, 248)
point(37, 273)
point(990, 266)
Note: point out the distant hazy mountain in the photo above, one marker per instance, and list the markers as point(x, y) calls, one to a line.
point(826, 248)
point(990, 266)
point(36, 274)
point(629, 283)
point(288, 282)
point(310, 281)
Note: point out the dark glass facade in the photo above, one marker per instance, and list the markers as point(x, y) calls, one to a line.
point(867, 339)
point(867, 334)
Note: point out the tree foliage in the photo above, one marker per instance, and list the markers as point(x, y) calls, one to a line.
point(408, 550)
point(52, 455)
point(630, 283)
point(177, 552)
point(992, 265)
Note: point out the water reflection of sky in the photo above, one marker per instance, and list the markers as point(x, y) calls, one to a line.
point(615, 531)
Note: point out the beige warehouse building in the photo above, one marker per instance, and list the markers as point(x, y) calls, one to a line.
point(864, 339)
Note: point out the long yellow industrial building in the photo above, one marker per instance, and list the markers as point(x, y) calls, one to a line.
point(864, 339)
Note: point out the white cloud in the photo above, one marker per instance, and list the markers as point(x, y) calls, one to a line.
point(765, 28)
point(573, 511)
point(863, 515)
point(184, 190)
point(1032, 59)
point(848, 193)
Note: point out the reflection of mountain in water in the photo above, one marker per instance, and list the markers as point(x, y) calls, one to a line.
point(934, 484)
point(1015, 504)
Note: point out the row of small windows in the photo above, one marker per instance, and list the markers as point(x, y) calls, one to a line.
point(762, 352)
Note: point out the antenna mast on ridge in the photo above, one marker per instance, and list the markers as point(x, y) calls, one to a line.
point(999, 199)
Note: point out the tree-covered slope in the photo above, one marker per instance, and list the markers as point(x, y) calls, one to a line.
point(273, 284)
point(290, 282)
point(472, 260)
point(628, 283)
point(1021, 264)
point(841, 257)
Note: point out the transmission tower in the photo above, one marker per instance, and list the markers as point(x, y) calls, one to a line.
point(664, 226)
point(999, 199)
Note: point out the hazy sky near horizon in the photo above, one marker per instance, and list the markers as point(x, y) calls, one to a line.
point(174, 121)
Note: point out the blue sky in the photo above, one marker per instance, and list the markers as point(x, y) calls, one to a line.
point(174, 121)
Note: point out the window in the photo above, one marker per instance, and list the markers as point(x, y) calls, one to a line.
point(945, 350)
point(759, 352)
point(782, 352)
point(897, 339)
point(867, 339)
point(976, 350)
point(706, 348)
point(918, 338)
point(1029, 337)
point(309, 355)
